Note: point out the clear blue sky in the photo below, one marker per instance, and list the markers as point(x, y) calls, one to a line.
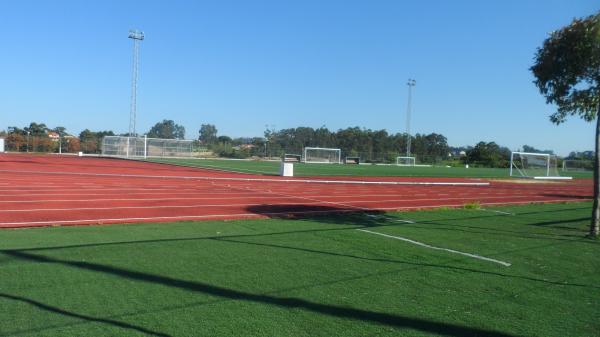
point(243, 64)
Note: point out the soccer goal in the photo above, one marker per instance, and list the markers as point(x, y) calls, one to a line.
point(143, 147)
point(322, 155)
point(534, 165)
point(405, 161)
point(579, 165)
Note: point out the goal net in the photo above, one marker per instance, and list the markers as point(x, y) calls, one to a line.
point(405, 161)
point(142, 147)
point(577, 165)
point(533, 165)
point(322, 155)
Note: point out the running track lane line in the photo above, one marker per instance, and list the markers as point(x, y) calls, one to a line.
point(317, 181)
point(475, 256)
point(235, 216)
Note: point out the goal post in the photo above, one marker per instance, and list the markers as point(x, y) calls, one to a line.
point(534, 165)
point(580, 165)
point(322, 155)
point(405, 161)
point(143, 147)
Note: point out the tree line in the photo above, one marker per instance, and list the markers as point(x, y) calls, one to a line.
point(376, 146)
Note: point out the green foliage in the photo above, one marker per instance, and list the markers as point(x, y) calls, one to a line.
point(207, 134)
point(35, 129)
point(488, 155)
point(531, 149)
point(167, 129)
point(472, 205)
point(567, 69)
point(369, 145)
point(90, 141)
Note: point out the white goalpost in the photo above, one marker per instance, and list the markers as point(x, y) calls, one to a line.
point(405, 161)
point(322, 155)
point(580, 165)
point(143, 147)
point(534, 165)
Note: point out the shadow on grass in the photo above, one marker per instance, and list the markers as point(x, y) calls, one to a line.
point(396, 321)
point(63, 312)
point(337, 214)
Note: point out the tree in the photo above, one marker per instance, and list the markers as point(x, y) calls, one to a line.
point(224, 139)
point(489, 154)
point(167, 129)
point(62, 131)
point(207, 133)
point(90, 141)
point(567, 73)
point(36, 129)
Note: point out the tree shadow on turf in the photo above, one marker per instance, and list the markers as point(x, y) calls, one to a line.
point(87, 318)
point(338, 214)
point(391, 320)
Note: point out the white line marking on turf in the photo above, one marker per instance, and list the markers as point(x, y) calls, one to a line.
point(475, 256)
point(496, 211)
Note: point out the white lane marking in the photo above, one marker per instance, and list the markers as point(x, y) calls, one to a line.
point(343, 204)
point(313, 181)
point(179, 217)
point(84, 221)
point(475, 256)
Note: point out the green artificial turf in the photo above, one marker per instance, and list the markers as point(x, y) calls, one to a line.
point(301, 169)
point(308, 277)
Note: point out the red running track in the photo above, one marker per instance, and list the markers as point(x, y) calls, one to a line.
point(47, 190)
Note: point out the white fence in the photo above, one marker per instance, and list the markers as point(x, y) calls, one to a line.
point(143, 147)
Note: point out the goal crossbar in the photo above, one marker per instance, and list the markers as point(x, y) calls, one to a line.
point(405, 161)
point(322, 155)
point(534, 165)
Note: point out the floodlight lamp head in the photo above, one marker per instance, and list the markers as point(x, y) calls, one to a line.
point(136, 34)
point(411, 82)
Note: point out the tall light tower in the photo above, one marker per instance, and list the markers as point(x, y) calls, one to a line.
point(137, 36)
point(411, 83)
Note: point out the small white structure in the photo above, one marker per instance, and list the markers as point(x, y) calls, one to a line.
point(1, 145)
point(286, 169)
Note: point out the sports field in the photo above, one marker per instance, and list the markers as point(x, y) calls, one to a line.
point(301, 169)
point(273, 256)
point(311, 276)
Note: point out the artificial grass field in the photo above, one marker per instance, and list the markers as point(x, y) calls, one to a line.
point(315, 276)
point(301, 169)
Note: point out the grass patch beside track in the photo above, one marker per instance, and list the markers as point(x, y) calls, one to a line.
point(301, 169)
point(314, 276)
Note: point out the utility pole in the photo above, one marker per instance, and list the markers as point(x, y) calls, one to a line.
point(137, 36)
point(411, 83)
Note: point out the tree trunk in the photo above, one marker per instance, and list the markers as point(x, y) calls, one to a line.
point(595, 225)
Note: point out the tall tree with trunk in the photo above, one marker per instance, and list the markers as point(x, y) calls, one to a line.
point(567, 72)
point(167, 129)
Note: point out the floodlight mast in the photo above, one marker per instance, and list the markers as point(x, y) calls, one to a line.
point(137, 36)
point(411, 83)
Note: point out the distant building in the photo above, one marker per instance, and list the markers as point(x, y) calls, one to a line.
point(244, 147)
point(54, 136)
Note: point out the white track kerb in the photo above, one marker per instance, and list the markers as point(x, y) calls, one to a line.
point(475, 256)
